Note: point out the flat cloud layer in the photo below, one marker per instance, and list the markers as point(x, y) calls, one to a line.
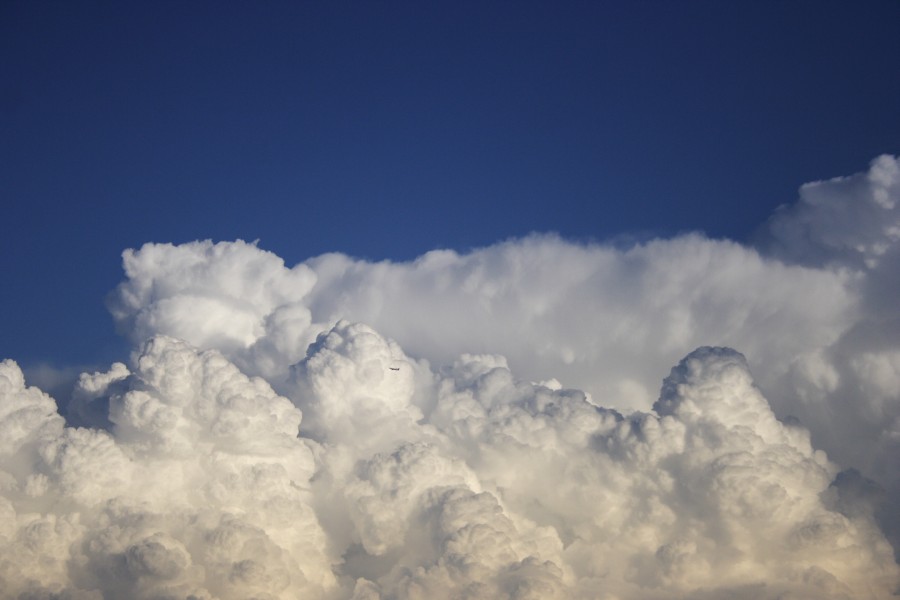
point(444, 447)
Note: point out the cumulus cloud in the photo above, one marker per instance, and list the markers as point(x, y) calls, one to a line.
point(598, 318)
point(485, 425)
point(231, 296)
point(850, 221)
point(199, 488)
point(850, 390)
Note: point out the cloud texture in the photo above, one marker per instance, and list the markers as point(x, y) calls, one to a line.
point(482, 425)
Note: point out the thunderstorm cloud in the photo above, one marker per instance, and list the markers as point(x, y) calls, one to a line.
point(537, 419)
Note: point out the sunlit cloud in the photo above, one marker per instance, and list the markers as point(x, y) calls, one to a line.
point(681, 418)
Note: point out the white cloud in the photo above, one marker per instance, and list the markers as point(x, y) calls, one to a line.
point(846, 221)
point(200, 486)
point(426, 465)
point(226, 296)
point(848, 392)
point(605, 320)
point(500, 488)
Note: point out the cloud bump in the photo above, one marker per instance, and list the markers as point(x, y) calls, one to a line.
point(482, 425)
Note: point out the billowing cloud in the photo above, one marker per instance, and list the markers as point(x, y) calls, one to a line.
point(485, 425)
point(232, 296)
point(199, 488)
point(598, 318)
point(848, 392)
point(852, 221)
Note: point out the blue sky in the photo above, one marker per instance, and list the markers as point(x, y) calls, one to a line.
point(384, 130)
point(549, 299)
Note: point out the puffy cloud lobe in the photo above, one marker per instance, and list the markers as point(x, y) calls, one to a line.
point(445, 537)
point(355, 386)
point(848, 220)
point(761, 473)
point(227, 296)
point(28, 415)
point(200, 488)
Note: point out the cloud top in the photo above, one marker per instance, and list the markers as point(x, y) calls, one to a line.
point(846, 221)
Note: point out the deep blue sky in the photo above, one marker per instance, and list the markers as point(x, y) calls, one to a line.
point(385, 129)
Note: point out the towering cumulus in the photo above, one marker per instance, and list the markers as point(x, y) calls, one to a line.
point(496, 424)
